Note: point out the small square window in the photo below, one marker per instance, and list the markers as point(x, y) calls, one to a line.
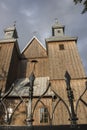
point(61, 47)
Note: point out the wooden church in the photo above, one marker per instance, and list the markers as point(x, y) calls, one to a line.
point(42, 86)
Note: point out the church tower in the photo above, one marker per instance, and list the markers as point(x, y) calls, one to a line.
point(9, 53)
point(63, 56)
point(63, 50)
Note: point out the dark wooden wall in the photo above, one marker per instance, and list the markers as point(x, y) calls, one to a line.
point(13, 67)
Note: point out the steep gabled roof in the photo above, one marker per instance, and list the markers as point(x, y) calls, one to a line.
point(34, 49)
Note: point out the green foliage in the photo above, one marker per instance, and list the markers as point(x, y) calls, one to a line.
point(84, 2)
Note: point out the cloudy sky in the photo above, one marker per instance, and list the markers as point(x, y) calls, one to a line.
point(36, 17)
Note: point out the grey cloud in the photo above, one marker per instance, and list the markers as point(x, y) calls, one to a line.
point(39, 15)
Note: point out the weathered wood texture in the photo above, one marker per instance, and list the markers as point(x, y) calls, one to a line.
point(78, 87)
point(9, 60)
point(62, 60)
point(13, 69)
point(60, 115)
point(34, 50)
point(52, 64)
point(6, 50)
point(19, 117)
point(55, 65)
point(57, 62)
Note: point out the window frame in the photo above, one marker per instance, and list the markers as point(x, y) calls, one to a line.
point(61, 47)
point(44, 115)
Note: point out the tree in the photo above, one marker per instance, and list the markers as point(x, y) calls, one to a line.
point(84, 2)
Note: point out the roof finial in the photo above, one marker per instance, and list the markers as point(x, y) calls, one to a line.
point(35, 33)
point(14, 23)
point(56, 20)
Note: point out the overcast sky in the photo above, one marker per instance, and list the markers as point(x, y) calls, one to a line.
point(36, 17)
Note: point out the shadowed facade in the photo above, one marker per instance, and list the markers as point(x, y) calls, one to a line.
point(49, 66)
